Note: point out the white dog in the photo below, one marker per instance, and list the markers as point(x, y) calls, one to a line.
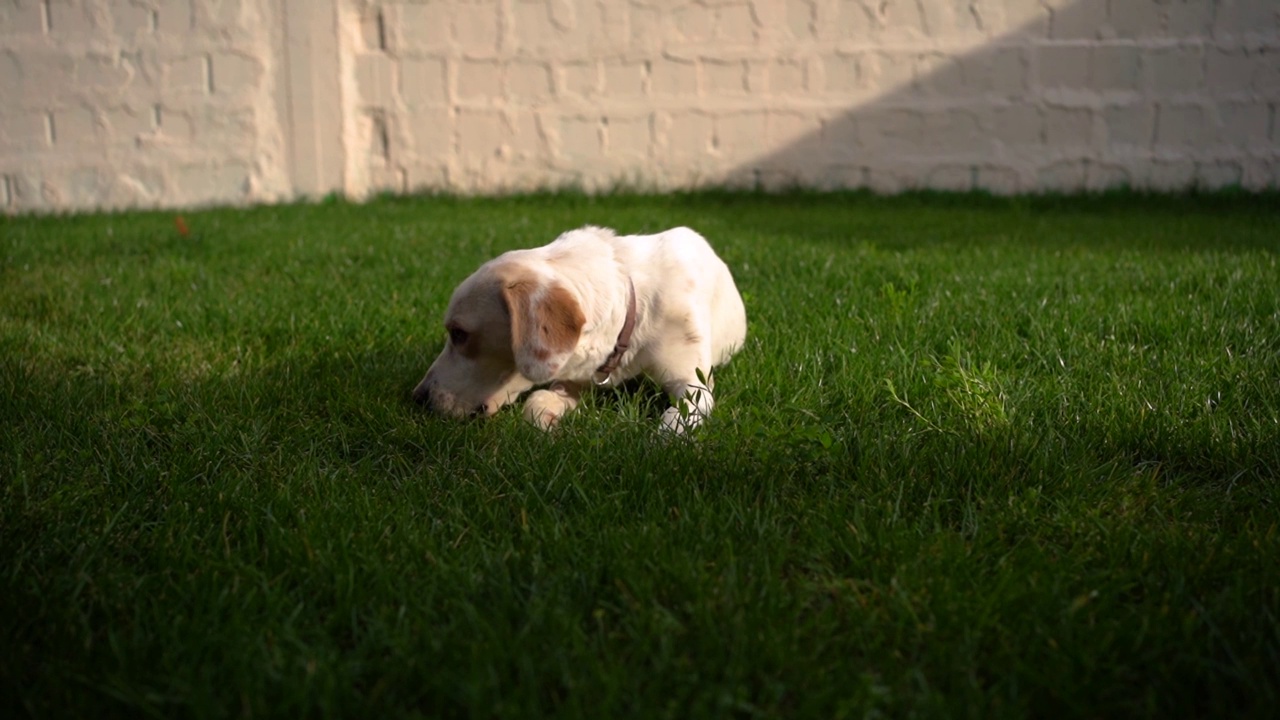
point(590, 308)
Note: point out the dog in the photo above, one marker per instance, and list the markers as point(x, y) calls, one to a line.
point(590, 308)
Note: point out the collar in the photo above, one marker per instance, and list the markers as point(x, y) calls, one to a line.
point(603, 373)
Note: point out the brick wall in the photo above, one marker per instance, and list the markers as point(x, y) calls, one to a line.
point(177, 102)
point(119, 103)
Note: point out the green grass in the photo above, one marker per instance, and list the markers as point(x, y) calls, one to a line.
point(980, 457)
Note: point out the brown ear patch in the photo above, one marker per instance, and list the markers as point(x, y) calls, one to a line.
point(560, 320)
point(542, 323)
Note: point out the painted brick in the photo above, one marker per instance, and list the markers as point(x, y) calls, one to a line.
point(757, 77)
point(226, 181)
point(102, 73)
point(1180, 126)
point(423, 82)
point(901, 20)
point(479, 80)
point(145, 184)
point(892, 132)
point(1063, 67)
point(997, 179)
point(1002, 71)
point(1064, 175)
point(841, 139)
point(23, 133)
point(527, 139)
point(1116, 68)
point(529, 81)
point(217, 125)
point(426, 176)
point(801, 131)
point(1107, 176)
point(1081, 20)
point(476, 26)
point(1189, 19)
point(11, 81)
point(604, 26)
point(936, 73)
point(835, 176)
point(487, 94)
point(483, 133)
point(800, 17)
point(1129, 125)
point(220, 15)
point(71, 19)
point(1245, 124)
point(1031, 19)
point(417, 28)
point(1136, 19)
point(628, 137)
point(724, 78)
point(953, 133)
point(1245, 17)
point(736, 24)
point(174, 127)
point(130, 20)
point(1068, 128)
point(786, 77)
point(1175, 70)
point(373, 78)
point(889, 71)
point(648, 26)
point(889, 179)
point(674, 77)
point(1018, 125)
point(20, 18)
point(1218, 174)
point(696, 23)
point(75, 128)
point(624, 78)
point(689, 134)
point(580, 138)
point(956, 178)
point(431, 133)
point(187, 75)
point(124, 125)
point(234, 73)
point(739, 134)
point(174, 17)
point(376, 129)
point(1242, 71)
point(374, 35)
point(842, 73)
point(581, 78)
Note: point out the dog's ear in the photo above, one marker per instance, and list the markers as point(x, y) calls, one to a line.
point(546, 322)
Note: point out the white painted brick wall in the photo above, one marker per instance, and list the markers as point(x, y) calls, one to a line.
point(109, 103)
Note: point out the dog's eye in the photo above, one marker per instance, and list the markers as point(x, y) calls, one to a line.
point(458, 336)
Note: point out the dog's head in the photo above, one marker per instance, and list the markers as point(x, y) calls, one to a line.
point(511, 326)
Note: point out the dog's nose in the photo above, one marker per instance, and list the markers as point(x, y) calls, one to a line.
point(422, 393)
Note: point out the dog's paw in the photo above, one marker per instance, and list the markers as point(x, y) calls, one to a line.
point(678, 421)
point(544, 409)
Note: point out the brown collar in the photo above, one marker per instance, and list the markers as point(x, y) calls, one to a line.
point(604, 372)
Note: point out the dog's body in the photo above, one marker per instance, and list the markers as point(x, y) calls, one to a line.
point(558, 314)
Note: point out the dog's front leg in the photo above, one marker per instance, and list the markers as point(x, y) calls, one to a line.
point(691, 403)
point(544, 408)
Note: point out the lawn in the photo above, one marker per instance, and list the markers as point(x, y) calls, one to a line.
point(980, 457)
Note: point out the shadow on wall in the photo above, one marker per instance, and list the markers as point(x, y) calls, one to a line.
point(1145, 94)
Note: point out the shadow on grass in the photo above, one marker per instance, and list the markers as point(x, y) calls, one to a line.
point(1117, 220)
